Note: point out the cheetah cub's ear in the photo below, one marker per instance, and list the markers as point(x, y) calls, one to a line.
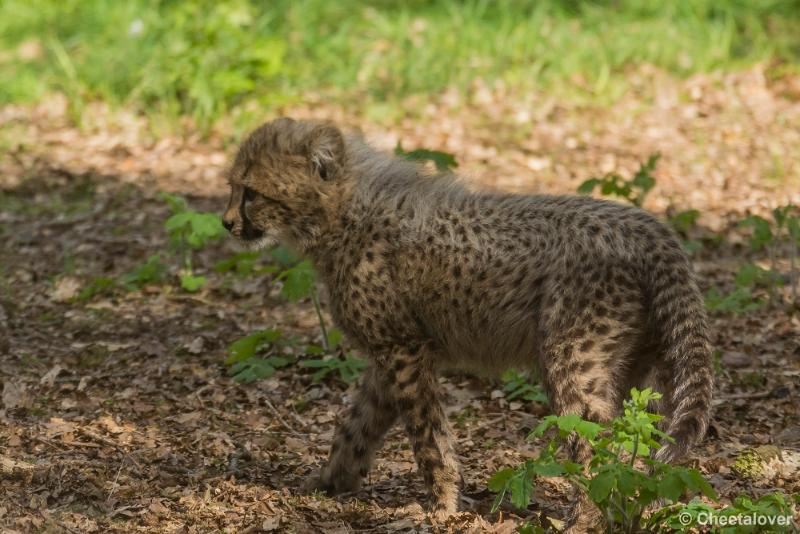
point(326, 151)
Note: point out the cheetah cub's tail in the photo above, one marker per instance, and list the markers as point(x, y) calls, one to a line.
point(680, 319)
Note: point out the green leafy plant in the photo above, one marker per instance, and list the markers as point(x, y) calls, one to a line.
point(349, 367)
point(191, 282)
point(254, 356)
point(738, 301)
point(190, 231)
point(518, 386)
point(334, 337)
point(634, 190)
point(284, 256)
point(150, 272)
point(244, 264)
point(742, 299)
point(773, 236)
point(683, 222)
point(299, 282)
point(259, 355)
point(613, 480)
point(97, 286)
point(442, 160)
point(782, 232)
point(761, 236)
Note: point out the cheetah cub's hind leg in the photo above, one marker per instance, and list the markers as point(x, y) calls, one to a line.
point(358, 438)
point(581, 376)
point(571, 392)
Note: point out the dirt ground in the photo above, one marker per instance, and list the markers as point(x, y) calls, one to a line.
point(118, 414)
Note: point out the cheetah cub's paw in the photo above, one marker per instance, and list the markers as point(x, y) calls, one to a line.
point(330, 485)
point(441, 510)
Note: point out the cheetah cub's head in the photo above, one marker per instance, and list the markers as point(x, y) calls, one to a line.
point(283, 181)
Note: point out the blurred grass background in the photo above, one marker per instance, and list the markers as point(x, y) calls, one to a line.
point(206, 59)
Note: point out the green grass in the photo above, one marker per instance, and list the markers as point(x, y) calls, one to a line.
point(207, 59)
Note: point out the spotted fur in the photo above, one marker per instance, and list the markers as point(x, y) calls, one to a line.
point(424, 274)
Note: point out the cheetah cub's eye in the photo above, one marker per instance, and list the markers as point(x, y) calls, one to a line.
point(249, 194)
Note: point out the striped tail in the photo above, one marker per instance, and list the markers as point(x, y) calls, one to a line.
point(680, 319)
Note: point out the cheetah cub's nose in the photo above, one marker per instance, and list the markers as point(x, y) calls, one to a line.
point(228, 224)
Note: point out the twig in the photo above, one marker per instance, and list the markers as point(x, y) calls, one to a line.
point(481, 426)
point(192, 298)
point(278, 416)
point(793, 267)
point(199, 398)
point(739, 396)
point(315, 300)
point(100, 208)
point(68, 528)
point(97, 437)
point(86, 444)
point(114, 484)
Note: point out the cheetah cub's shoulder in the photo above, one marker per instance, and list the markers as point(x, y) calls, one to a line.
point(424, 274)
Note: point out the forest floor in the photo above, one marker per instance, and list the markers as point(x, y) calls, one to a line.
point(118, 414)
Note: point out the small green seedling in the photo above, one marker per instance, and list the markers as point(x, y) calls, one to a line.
point(98, 286)
point(739, 301)
point(775, 236)
point(190, 231)
point(634, 190)
point(761, 235)
point(749, 279)
point(517, 386)
point(334, 340)
point(253, 356)
point(300, 282)
point(683, 222)
point(349, 367)
point(769, 236)
point(152, 271)
point(284, 256)
point(244, 264)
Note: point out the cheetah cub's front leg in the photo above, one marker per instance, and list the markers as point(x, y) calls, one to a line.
point(417, 394)
point(358, 438)
point(405, 386)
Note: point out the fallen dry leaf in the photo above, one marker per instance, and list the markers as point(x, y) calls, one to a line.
point(15, 395)
point(49, 378)
point(66, 288)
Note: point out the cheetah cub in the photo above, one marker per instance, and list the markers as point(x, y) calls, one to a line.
point(424, 275)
